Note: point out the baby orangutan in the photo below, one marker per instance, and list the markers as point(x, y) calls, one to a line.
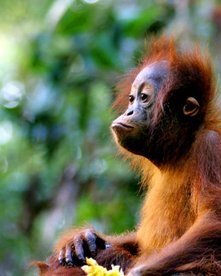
point(170, 129)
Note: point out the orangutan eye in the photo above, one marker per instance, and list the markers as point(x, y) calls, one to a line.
point(145, 97)
point(146, 92)
point(131, 99)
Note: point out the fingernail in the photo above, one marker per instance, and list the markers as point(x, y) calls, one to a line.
point(107, 245)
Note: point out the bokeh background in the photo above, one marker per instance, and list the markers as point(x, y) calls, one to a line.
point(59, 62)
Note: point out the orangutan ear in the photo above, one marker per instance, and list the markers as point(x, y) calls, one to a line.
point(191, 107)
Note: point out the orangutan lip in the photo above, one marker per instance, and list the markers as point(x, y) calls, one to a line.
point(121, 125)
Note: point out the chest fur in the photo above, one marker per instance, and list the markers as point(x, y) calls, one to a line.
point(167, 213)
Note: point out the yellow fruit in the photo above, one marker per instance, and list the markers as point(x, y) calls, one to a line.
point(93, 269)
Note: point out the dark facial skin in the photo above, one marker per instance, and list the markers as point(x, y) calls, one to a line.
point(135, 131)
point(131, 128)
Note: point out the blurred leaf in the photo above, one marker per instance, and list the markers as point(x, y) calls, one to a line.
point(140, 24)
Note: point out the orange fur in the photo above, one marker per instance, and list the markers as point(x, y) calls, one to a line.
point(180, 228)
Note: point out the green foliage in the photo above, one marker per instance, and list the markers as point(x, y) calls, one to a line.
point(59, 167)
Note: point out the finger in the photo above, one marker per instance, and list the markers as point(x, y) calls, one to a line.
point(91, 241)
point(79, 250)
point(101, 243)
point(61, 256)
point(68, 255)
